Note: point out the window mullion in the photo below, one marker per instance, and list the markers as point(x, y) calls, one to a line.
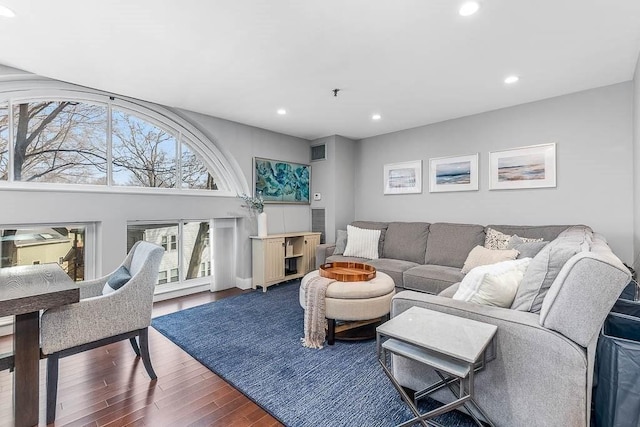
point(179, 161)
point(10, 142)
point(109, 146)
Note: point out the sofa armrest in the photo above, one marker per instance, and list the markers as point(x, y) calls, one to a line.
point(518, 384)
point(322, 252)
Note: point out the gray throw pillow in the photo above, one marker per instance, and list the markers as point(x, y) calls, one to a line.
point(526, 249)
point(117, 280)
point(341, 242)
point(542, 271)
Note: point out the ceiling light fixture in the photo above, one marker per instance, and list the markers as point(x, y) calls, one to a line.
point(6, 12)
point(282, 111)
point(469, 8)
point(511, 80)
point(376, 117)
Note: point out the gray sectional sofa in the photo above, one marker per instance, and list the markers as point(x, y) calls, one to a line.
point(543, 367)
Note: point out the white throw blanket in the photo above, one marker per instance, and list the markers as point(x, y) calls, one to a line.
point(314, 313)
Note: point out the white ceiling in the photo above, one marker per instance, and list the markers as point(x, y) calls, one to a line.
point(413, 61)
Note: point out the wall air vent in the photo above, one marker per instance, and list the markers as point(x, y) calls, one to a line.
point(318, 152)
point(317, 223)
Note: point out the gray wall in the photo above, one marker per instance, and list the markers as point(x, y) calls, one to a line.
point(111, 211)
point(636, 169)
point(593, 132)
point(334, 178)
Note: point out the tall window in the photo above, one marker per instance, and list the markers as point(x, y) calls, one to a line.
point(186, 246)
point(77, 142)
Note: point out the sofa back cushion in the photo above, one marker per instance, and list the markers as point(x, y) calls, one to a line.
point(406, 241)
point(449, 244)
point(373, 225)
point(545, 232)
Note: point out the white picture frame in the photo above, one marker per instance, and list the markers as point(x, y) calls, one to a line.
point(453, 173)
point(403, 178)
point(523, 167)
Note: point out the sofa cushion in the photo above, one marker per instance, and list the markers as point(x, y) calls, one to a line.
point(546, 266)
point(546, 232)
point(362, 243)
point(373, 225)
point(393, 267)
point(406, 241)
point(341, 242)
point(449, 244)
point(432, 279)
point(495, 284)
point(483, 256)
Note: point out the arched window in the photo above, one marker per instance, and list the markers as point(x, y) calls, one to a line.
point(113, 143)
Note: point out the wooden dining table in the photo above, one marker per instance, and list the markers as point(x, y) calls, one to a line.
point(24, 291)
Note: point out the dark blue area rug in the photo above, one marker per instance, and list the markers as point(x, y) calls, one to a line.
point(253, 342)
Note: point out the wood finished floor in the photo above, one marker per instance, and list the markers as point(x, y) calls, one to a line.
point(108, 386)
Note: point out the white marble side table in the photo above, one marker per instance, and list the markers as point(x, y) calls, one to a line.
point(453, 346)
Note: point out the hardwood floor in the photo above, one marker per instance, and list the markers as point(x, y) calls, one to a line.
point(108, 386)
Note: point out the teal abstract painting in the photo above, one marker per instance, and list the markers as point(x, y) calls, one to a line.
point(282, 182)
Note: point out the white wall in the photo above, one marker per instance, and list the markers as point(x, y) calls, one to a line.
point(636, 169)
point(111, 211)
point(593, 132)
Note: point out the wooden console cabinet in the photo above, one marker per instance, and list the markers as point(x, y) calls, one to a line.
point(280, 257)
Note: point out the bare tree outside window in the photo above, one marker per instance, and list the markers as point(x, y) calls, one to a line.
point(144, 155)
point(61, 142)
point(4, 142)
point(194, 173)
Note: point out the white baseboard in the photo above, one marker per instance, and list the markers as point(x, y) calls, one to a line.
point(181, 292)
point(243, 284)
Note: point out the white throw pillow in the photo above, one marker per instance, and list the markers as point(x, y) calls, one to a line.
point(483, 256)
point(362, 243)
point(494, 285)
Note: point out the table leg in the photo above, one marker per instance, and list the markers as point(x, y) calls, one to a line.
point(26, 376)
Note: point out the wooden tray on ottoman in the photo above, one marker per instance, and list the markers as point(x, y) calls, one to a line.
point(347, 271)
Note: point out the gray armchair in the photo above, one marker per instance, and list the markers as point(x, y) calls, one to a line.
point(100, 319)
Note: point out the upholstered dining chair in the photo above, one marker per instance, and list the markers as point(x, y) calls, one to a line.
point(112, 308)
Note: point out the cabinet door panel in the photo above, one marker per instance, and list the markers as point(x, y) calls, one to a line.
point(310, 244)
point(274, 260)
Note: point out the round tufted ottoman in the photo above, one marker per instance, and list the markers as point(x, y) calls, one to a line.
point(354, 301)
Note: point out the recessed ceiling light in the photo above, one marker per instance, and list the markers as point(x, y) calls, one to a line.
point(282, 111)
point(376, 117)
point(511, 80)
point(469, 8)
point(6, 12)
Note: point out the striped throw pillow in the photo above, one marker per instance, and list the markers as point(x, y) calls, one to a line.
point(362, 243)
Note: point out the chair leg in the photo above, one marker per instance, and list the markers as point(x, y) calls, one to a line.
point(52, 387)
point(134, 344)
point(144, 349)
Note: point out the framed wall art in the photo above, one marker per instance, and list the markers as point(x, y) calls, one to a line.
point(403, 178)
point(459, 173)
point(281, 182)
point(523, 167)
